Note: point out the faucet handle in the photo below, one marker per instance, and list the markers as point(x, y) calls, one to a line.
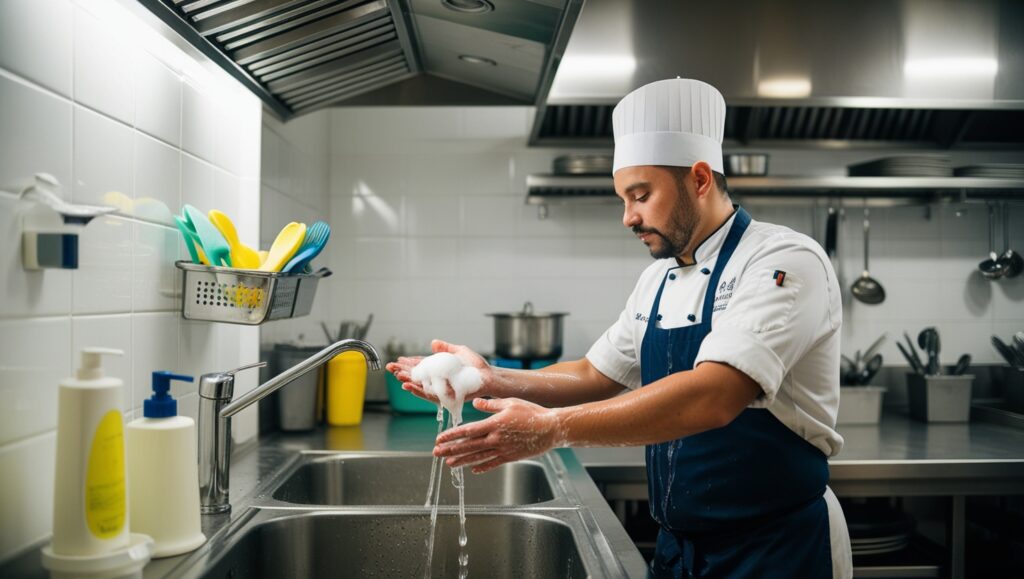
point(246, 367)
point(221, 385)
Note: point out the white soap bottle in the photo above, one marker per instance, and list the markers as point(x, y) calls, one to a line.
point(90, 507)
point(163, 472)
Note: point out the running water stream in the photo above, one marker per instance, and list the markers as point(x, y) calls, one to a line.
point(433, 496)
point(442, 375)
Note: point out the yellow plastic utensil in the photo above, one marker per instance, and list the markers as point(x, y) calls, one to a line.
point(242, 256)
point(284, 247)
point(263, 255)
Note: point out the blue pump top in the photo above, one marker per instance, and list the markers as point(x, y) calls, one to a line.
point(161, 404)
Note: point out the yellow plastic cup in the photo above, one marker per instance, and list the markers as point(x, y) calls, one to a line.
point(346, 389)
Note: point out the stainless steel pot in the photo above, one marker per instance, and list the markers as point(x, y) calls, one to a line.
point(527, 335)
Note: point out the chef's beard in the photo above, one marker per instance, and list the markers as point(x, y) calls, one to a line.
point(682, 224)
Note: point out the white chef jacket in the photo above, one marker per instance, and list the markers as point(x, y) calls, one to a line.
point(783, 334)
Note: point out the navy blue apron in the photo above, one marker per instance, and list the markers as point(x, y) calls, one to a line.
point(744, 500)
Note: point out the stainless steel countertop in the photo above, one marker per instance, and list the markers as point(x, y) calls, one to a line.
point(897, 456)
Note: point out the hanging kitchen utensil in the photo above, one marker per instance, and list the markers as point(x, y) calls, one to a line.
point(1008, 353)
point(915, 364)
point(961, 365)
point(831, 231)
point(991, 268)
point(1011, 261)
point(866, 288)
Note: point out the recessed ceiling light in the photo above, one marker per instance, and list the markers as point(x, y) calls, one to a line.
point(468, 6)
point(477, 60)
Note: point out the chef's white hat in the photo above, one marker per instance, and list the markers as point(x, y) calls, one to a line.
point(674, 122)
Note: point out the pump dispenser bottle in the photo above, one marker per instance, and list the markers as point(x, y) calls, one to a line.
point(163, 472)
point(90, 506)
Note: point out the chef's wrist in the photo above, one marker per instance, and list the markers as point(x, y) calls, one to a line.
point(559, 421)
point(495, 382)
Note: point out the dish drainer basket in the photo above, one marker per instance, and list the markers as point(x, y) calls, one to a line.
point(240, 296)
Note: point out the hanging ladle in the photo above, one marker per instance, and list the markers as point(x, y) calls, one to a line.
point(992, 268)
point(1010, 260)
point(866, 288)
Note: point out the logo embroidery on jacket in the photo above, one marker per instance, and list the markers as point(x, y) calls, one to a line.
point(725, 290)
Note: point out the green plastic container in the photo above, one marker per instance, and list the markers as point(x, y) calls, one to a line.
point(408, 403)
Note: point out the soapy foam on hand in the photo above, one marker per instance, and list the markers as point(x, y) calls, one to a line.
point(437, 374)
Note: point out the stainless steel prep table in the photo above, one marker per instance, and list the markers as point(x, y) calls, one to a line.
point(898, 457)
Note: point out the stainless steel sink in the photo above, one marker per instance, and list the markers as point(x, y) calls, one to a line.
point(402, 480)
point(332, 544)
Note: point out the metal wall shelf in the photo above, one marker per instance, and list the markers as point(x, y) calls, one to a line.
point(544, 189)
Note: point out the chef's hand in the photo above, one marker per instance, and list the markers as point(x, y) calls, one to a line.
point(519, 429)
point(402, 369)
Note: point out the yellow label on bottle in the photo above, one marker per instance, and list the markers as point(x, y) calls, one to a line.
point(104, 481)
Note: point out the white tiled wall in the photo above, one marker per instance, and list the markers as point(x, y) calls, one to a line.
point(432, 233)
point(120, 116)
point(294, 187)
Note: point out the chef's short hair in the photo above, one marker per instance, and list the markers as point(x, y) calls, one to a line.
point(679, 172)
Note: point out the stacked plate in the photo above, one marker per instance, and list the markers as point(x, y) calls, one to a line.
point(876, 528)
point(879, 545)
point(906, 166)
point(995, 170)
point(584, 164)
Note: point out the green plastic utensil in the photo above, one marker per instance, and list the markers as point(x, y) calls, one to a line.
point(195, 247)
point(214, 245)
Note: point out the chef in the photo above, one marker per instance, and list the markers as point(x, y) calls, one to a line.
point(724, 364)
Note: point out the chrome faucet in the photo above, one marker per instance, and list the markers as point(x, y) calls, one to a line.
point(216, 408)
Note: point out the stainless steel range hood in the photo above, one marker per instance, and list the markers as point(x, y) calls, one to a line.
point(304, 55)
point(832, 73)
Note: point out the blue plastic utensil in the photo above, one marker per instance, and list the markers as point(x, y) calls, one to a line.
point(214, 245)
point(316, 238)
point(195, 247)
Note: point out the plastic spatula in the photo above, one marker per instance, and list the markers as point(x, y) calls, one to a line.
point(214, 244)
point(316, 238)
point(242, 256)
point(195, 247)
point(285, 246)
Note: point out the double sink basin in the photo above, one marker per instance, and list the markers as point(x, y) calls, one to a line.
point(358, 514)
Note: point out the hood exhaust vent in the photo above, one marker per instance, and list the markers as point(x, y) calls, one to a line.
point(303, 55)
point(298, 55)
point(590, 126)
point(803, 73)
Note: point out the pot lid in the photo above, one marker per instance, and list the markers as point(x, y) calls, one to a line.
point(527, 312)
